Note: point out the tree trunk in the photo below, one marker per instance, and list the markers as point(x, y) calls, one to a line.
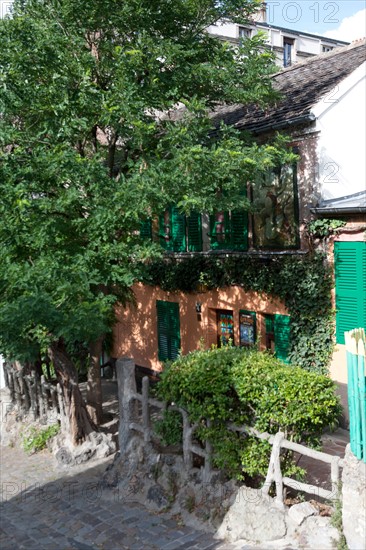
point(78, 423)
point(94, 384)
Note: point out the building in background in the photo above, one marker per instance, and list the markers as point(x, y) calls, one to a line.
point(290, 46)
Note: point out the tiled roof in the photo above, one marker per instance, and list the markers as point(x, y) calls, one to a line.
point(301, 86)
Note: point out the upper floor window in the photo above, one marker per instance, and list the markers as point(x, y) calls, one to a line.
point(179, 233)
point(244, 32)
point(275, 201)
point(229, 230)
point(288, 49)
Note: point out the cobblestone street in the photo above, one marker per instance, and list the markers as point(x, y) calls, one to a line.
point(46, 507)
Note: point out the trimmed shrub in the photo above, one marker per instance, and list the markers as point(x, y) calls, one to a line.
point(249, 387)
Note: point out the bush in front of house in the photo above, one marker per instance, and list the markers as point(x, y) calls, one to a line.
point(244, 386)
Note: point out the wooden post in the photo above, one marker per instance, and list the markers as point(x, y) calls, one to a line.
point(362, 393)
point(18, 395)
point(64, 418)
point(39, 396)
point(274, 470)
point(145, 409)
point(6, 374)
point(11, 385)
point(334, 475)
point(208, 458)
point(126, 382)
point(32, 394)
point(355, 349)
point(187, 440)
point(54, 401)
point(26, 395)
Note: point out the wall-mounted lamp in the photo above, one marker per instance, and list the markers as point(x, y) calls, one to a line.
point(198, 307)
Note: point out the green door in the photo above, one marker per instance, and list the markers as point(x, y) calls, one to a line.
point(278, 335)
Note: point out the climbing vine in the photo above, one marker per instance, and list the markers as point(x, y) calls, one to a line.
point(303, 283)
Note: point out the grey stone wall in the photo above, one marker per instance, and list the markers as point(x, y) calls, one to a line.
point(354, 501)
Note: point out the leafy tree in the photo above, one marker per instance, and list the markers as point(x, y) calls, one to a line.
point(90, 146)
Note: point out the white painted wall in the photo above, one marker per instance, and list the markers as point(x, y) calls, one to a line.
point(224, 29)
point(341, 116)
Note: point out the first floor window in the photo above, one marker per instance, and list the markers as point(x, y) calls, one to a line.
point(225, 327)
point(276, 211)
point(229, 230)
point(247, 328)
point(179, 233)
point(168, 330)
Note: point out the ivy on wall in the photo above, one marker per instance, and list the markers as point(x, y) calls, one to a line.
point(303, 283)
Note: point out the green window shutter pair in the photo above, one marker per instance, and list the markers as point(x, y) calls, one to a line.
point(350, 287)
point(235, 234)
point(168, 330)
point(173, 227)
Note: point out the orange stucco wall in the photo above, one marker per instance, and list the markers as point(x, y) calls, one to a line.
point(135, 334)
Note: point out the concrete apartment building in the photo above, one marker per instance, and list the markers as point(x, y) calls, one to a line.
point(289, 45)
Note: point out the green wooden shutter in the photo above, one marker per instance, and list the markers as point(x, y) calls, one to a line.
point(239, 230)
point(174, 330)
point(168, 330)
point(350, 287)
point(146, 229)
point(282, 336)
point(163, 322)
point(178, 225)
point(194, 229)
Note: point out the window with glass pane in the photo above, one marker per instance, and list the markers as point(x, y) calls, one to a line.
point(275, 202)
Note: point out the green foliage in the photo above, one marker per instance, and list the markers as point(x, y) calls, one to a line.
point(240, 386)
point(303, 283)
point(35, 439)
point(84, 160)
point(170, 427)
point(324, 227)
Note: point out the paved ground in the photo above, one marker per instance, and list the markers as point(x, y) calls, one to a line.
point(46, 507)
